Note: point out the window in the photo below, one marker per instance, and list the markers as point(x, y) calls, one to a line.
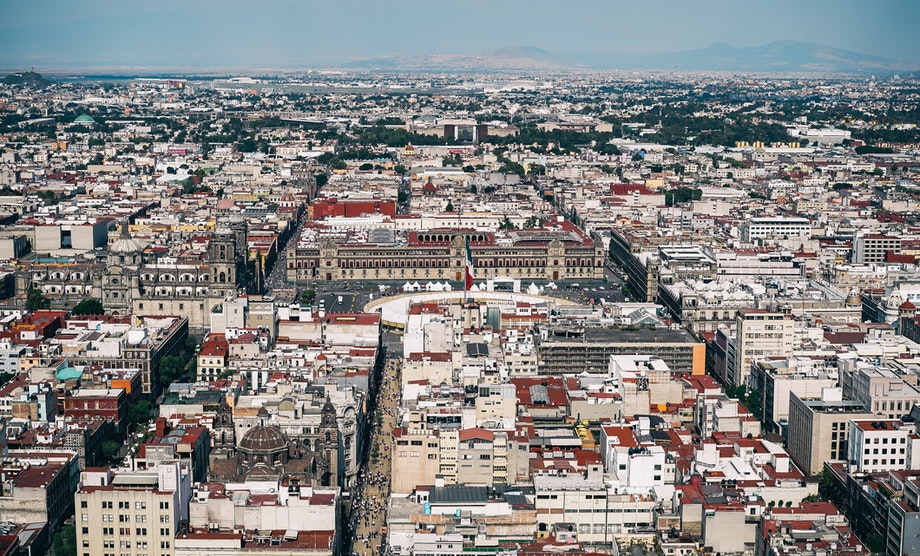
point(83, 503)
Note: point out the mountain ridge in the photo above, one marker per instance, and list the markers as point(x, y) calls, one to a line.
point(785, 56)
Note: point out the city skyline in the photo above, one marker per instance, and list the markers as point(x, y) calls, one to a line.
point(299, 33)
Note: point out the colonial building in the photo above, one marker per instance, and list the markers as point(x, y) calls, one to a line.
point(134, 278)
point(265, 451)
point(561, 253)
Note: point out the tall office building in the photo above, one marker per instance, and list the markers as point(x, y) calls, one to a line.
point(819, 428)
point(759, 334)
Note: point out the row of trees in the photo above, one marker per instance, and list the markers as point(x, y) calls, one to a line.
point(682, 195)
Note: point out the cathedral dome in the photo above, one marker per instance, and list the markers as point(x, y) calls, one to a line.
point(264, 439)
point(125, 243)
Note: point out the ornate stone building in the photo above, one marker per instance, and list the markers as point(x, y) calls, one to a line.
point(266, 451)
point(133, 280)
point(562, 253)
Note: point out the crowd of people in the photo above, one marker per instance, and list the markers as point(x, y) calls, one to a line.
point(369, 501)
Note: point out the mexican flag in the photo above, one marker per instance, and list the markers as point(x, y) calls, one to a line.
point(468, 282)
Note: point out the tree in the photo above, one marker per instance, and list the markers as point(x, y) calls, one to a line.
point(507, 224)
point(172, 368)
point(88, 307)
point(190, 349)
point(339, 165)
point(451, 160)
point(509, 167)
point(399, 169)
point(534, 222)
point(366, 166)
point(139, 412)
point(65, 541)
point(36, 300)
point(321, 179)
point(449, 207)
point(107, 452)
point(308, 297)
point(247, 145)
point(682, 195)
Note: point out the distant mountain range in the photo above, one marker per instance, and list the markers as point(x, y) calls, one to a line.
point(510, 58)
point(776, 57)
point(781, 56)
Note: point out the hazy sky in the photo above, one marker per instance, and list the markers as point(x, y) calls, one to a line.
point(49, 34)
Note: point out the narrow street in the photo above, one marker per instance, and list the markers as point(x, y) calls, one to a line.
point(369, 508)
point(277, 278)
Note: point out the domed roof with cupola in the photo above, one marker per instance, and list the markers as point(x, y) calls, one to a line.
point(265, 439)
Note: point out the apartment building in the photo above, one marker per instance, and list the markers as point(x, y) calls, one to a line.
point(885, 390)
point(212, 357)
point(37, 485)
point(131, 514)
point(564, 350)
point(873, 248)
point(768, 227)
point(584, 502)
point(776, 377)
point(883, 445)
